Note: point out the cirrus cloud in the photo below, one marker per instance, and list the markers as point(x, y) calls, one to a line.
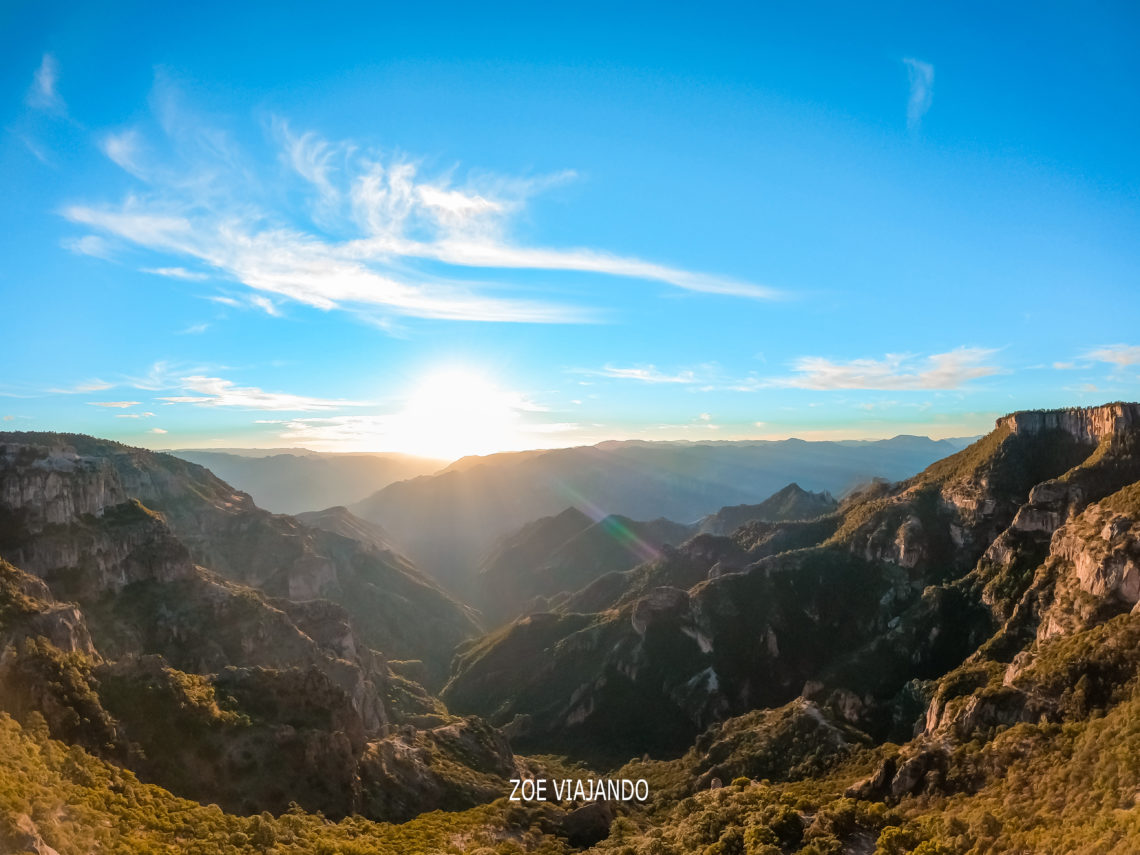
point(644, 374)
point(379, 233)
point(921, 76)
point(939, 371)
point(1120, 355)
point(44, 93)
point(218, 392)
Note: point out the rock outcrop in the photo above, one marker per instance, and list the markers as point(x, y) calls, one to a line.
point(1085, 424)
point(908, 582)
point(161, 620)
point(61, 494)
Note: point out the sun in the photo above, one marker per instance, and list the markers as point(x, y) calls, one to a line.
point(458, 412)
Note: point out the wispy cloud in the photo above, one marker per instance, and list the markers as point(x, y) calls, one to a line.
point(92, 245)
point(181, 273)
point(37, 150)
point(92, 385)
point(940, 371)
point(124, 149)
point(643, 373)
point(194, 329)
point(119, 405)
point(1120, 355)
point(44, 93)
point(374, 220)
point(312, 158)
point(156, 430)
point(309, 270)
point(217, 392)
point(164, 376)
point(921, 76)
point(265, 304)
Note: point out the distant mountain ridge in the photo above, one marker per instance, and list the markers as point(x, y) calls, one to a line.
point(447, 521)
point(547, 561)
point(340, 520)
point(791, 503)
point(560, 554)
point(959, 575)
point(292, 481)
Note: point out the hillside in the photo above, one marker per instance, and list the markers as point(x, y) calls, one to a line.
point(560, 554)
point(293, 481)
point(946, 665)
point(188, 641)
point(52, 480)
point(339, 520)
point(791, 503)
point(546, 561)
point(903, 584)
point(447, 522)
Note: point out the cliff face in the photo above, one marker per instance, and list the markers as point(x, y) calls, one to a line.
point(61, 494)
point(1062, 585)
point(47, 485)
point(1085, 424)
point(248, 696)
point(906, 584)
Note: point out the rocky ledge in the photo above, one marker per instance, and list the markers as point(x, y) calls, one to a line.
point(1087, 424)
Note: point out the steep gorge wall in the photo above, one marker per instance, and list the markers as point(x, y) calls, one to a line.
point(1086, 424)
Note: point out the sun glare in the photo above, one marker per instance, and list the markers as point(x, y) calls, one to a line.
point(456, 413)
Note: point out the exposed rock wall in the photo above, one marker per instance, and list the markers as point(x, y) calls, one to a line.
point(44, 486)
point(1086, 424)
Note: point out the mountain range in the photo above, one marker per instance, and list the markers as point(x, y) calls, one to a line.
point(547, 560)
point(903, 583)
point(291, 481)
point(943, 664)
point(447, 522)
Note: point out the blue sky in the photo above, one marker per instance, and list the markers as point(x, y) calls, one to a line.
point(449, 229)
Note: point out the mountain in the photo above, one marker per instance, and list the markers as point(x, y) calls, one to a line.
point(58, 477)
point(903, 584)
point(560, 554)
point(791, 503)
point(945, 665)
point(547, 560)
point(448, 521)
point(340, 520)
point(195, 640)
point(290, 481)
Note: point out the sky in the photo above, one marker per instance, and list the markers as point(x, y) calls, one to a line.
point(453, 229)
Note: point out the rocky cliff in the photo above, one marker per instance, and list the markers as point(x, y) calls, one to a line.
point(905, 584)
point(1084, 424)
point(190, 639)
point(61, 492)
